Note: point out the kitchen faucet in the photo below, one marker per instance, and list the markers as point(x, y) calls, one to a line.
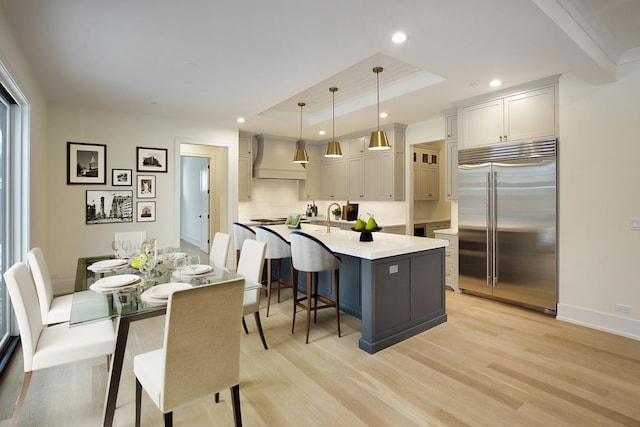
point(329, 217)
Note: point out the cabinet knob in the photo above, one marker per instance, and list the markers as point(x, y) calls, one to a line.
point(500, 138)
point(505, 137)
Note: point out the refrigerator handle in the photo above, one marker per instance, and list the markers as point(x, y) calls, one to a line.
point(494, 228)
point(488, 186)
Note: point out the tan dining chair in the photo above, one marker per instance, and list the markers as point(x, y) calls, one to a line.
point(53, 309)
point(44, 347)
point(310, 255)
point(240, 233)
point(201, 351)
point(219, 253)
point(277, 249)
point(250, 267)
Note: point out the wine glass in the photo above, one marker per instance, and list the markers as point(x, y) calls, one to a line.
point(116, 245)
point(180, 264)
point(193, 262)
point(147, 265)
point(126, 248)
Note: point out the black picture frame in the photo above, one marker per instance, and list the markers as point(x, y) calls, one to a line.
point(109, 206)
point(151, 159)
point(121, 177)
point(86, 163)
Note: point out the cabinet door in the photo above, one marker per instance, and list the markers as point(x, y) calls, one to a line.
point(388, 177)
point(312, 183)
point(244, 177)
point(482, 124)
point(334, 179)
point(432, 191)
point(530, 115)
point(244, 145)
point(452, 171)
point(371, 176)
point(452, 128)
point(356, 178)
point(356, 146)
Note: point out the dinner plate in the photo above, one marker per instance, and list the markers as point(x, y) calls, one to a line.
point(166, 289)
point(197, 270)
point(107, 264)
point(117, 281)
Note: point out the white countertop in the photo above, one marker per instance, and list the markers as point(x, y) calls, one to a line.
point(347, 242)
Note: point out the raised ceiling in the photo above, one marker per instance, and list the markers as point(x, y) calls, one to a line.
point(214, 61)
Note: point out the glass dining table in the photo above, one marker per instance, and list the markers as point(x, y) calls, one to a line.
point(128, 304)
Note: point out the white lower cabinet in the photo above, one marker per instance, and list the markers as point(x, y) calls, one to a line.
point(451, 261)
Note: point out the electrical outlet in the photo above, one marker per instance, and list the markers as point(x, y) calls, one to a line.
point(55, 276)
point(626, 309)
point(634, 224)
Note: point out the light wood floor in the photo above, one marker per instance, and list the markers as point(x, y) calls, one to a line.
point(490, 365)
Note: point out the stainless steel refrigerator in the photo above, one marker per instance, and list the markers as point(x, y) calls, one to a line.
point(507, 223)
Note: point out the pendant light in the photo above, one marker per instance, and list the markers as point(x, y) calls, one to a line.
point(378, 139)
point(301, 154)
point(333, 147)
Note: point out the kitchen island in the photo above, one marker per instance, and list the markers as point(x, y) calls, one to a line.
point(395, 285)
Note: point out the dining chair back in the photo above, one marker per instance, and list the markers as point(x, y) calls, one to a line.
point(310, 255)
point(250, 267)
point(278, 248)
point(220, 249)
point(52, 309)
point(240, 233)
point(44, 347)
point(135, 237)
point(201, 351)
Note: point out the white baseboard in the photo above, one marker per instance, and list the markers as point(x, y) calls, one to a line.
point(613, 324)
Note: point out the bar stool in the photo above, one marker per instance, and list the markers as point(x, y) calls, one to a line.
point(240, 233)
point(312, 256)
point(277, 249)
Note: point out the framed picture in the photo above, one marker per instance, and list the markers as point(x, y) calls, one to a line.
point(146, 186)
point(86, 163)
point(151, 159)
point(109, 206)
point(146, 211)
point(121, 177)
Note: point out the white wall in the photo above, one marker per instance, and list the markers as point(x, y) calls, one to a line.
point(69, 236)
point(599, 149)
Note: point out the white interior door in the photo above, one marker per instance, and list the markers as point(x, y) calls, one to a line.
point(195, 204)
point(204, 204)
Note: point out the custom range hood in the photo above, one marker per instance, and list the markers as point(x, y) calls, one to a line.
point(274, 158)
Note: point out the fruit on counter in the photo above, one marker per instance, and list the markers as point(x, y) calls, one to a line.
point(360, 225)
point(140, 260)
point(371, 223)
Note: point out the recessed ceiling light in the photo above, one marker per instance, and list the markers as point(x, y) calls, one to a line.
point(322, 132)
point(399, 37)
point(383, 115)
point(240, 120)
point(495, 83)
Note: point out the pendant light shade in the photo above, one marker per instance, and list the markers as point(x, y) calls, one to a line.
point(333, 147)
point(378, 139)
point(300, 155)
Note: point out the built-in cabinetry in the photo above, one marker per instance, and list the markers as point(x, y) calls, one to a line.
point(451, 141)
point(451, 257)
point(245, 166)
point(426, 174)
point(360, 174)
point(525, 115)
point(311, 188)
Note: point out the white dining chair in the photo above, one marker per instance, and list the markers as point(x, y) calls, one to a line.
point(220, 249)
point(53, 309)
point(250, 267)
point(135, 237)
point(194, 361)
point(44, 347)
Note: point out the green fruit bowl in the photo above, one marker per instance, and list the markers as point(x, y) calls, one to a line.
point(365, 235)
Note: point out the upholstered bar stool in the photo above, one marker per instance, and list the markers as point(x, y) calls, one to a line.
point(310, 255)
point(277, 249)
point(240, 233)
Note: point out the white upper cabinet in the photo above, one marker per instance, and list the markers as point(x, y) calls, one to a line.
point(452, 128)
point(311, 188)
point(452, 171)
point(523, 116)
point(334, 179)
point(245, 166)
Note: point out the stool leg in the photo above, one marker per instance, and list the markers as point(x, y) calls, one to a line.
point(294, 276)
point(336, 291)
point(268, 286)
point(315, 297)
point(308, 306)
point(278, 277)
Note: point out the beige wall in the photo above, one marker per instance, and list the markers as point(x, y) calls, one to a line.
point(69, 236)
point(599, 148)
